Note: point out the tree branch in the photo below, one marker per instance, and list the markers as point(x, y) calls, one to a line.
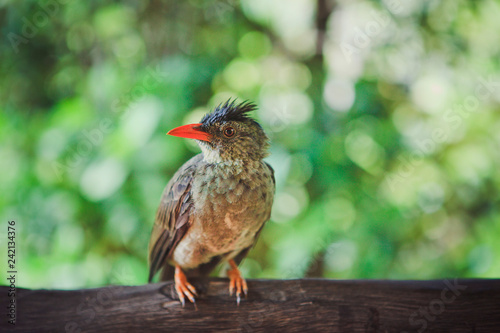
point(272, 305)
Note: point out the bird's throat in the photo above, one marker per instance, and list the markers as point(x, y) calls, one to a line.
point(210, 154)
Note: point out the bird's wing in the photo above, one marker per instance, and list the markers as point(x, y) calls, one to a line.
point(172, 217)
point(272, 175)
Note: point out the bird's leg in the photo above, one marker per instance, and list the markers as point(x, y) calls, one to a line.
point(236, 281)
point(183, 287)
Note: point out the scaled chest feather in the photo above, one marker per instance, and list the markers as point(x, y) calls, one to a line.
point(231, 205)
point(232, 197)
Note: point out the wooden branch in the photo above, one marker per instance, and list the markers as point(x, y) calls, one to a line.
point(273, 306)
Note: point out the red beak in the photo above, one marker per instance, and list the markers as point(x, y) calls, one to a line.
point(190, 131)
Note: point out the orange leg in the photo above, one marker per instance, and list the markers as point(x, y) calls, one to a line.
point(236, 281)
point(183, 287)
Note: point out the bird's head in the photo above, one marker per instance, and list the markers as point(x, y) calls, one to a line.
point(228, 134)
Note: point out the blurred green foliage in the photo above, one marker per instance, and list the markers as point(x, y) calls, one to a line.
point(385, 131)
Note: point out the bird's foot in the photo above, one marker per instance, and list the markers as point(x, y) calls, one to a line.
point(183, 287)
point(236, 281)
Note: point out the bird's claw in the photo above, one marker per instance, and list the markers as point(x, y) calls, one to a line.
point(183, 287)
point(236, 282)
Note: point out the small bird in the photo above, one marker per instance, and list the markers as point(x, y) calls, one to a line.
point(215, 206)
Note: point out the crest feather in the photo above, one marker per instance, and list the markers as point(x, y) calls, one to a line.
point(229, 111)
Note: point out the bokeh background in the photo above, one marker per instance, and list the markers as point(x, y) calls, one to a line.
point(384, 119)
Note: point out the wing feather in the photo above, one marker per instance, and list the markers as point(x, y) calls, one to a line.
point(172, 217)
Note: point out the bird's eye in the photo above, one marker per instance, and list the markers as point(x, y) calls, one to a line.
point(229, 132)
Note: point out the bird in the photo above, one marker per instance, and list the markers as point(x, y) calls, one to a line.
point(214, 207)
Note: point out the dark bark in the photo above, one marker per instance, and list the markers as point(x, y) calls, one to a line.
point(324, 8)
point(306, 305)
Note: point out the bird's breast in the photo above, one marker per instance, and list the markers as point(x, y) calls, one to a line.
point(229, 210)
